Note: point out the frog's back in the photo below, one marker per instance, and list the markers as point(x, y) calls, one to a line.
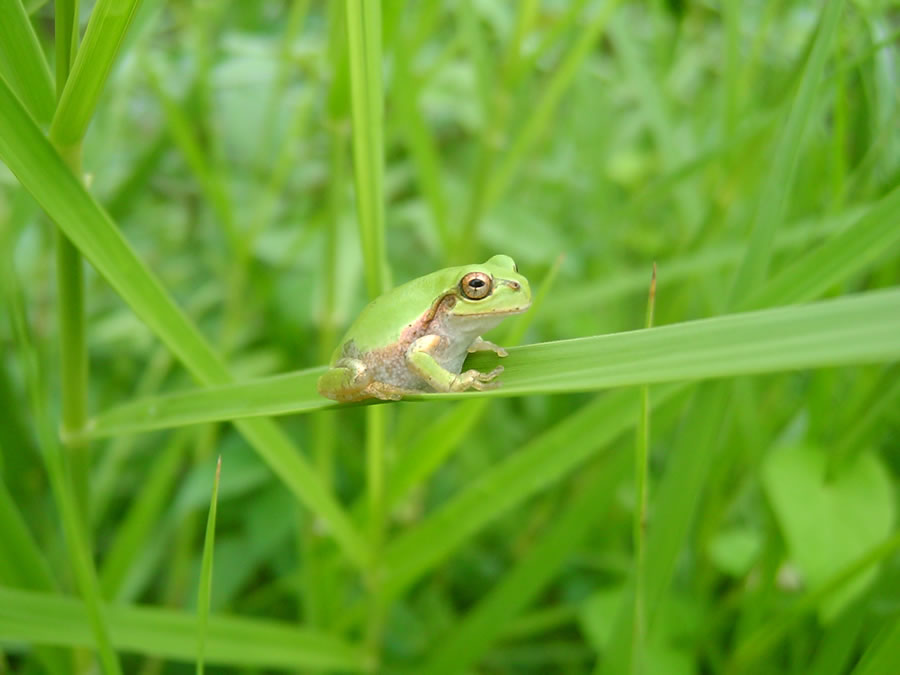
point(396, 314)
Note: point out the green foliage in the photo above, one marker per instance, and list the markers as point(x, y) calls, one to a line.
point(241, 177)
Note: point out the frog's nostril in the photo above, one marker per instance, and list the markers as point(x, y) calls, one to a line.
point(514, 285)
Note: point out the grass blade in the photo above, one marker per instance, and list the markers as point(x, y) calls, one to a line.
point(40, 170)
point(102, 38)
point(206, 571)
point(873, 237)
point(39, 618)
point(854, 329)
point(22, 63)
point(482, 626)
point(364, 41)
point(773, 203)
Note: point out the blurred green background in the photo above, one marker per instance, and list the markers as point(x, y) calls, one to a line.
point(750, 149)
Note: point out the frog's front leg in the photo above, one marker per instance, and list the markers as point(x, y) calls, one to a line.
point(482, 345)
point(421, 360)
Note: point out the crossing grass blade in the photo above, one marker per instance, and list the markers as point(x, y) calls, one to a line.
point(22, 63)
point(40, 170)
point(43, 619)
point(855, 329)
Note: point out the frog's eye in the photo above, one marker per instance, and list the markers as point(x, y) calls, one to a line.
point(476, 285)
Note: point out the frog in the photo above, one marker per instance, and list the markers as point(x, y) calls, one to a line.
point(415, 338)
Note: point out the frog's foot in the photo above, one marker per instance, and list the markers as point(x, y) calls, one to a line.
point(475, 379)
point(481, 345)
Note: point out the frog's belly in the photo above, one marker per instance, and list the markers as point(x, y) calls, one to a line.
point(390, 365)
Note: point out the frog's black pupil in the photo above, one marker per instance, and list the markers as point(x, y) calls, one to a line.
point(476, 283)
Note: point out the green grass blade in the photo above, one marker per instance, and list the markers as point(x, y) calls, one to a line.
point(776, 190)
point(856, 329)
point(66, 31)
point(102, 38)
point(464, 644)
point(38, 618)
point(532, 468)
point(206, 572)
point(364, 42)
point(40, 170)
point(22, 63)
point(873, 237)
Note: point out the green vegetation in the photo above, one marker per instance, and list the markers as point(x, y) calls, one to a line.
point(197, 198)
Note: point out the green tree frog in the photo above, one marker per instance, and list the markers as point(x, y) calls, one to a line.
point(415, 337)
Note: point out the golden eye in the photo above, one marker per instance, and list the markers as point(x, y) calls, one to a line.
point(476, 285)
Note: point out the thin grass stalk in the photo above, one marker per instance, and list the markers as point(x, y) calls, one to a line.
point(204, 590)
point(70, 291)
point(639, 530)
point(367, 105)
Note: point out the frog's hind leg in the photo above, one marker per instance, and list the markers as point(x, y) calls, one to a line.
point(347, 380)
point(351, 380)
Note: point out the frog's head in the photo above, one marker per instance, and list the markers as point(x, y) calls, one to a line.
point(494, 288)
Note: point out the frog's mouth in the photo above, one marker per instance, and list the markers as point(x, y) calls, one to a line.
point(504, 312)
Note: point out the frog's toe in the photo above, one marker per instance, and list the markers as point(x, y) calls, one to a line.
point(482, 345)
point(487, 377)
